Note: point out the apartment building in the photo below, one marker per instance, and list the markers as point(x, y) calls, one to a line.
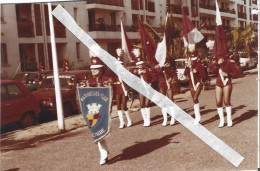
point(25, 35)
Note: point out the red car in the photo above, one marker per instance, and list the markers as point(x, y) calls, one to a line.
point(17, 104)
point(46, 93)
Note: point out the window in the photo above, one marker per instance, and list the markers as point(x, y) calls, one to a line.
point(14, 91)
point(78, 50)
point(4, 59)
point(76, 14)
point(4, 94)
point(2, 13)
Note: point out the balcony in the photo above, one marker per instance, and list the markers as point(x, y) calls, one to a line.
point(255, 17)
point(227, 10)
point(177, 9)
point(119, 3)
point(208, 6)
point(60, 31)
point(241, 15)
point(25, 29)
point(151, 7)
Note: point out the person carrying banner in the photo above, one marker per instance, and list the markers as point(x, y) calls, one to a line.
point(225, 70)
point(195, 72)
point(98, 80)
point(146, 76)
point(121, 95)
point(165, 74)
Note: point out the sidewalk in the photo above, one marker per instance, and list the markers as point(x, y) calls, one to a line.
point(48, 130)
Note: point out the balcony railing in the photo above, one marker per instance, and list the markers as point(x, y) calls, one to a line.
point(113, 28)
point(207, 6)
point(241, 15)
point(107, 2)
point(25, 29)
point(232, 11)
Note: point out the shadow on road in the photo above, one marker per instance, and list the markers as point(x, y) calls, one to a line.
point(142, 148)
point(247, 115)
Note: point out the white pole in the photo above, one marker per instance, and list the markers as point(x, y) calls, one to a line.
point(56, 73)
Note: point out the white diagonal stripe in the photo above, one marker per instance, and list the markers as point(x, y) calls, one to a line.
point(159, 99)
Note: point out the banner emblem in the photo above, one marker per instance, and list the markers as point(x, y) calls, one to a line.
point(95, 104)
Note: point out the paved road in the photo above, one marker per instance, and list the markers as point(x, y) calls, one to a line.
point(154, 147)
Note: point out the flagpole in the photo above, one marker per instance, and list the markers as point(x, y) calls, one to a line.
point(59, 107)
point(144, 11)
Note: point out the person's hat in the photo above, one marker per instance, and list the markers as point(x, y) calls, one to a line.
point(138, 58)
point(119, 55)
point(96, 62)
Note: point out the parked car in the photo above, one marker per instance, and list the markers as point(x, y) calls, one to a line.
point(18, 104)
point(180, 65)
point(46, 93)
point(247, 63)
point(31, 79)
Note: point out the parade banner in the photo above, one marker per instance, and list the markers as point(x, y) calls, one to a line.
point(95, 104)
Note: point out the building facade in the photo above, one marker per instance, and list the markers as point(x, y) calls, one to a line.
point(25, 35)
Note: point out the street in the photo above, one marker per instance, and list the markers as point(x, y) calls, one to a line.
point(155, 147)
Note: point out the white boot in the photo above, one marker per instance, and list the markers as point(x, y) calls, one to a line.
point(172, 115)
point(143, 112)
point(164, 113)
point(103, 152)
point(197, 113)
point(229, 119)
point(121, 119)
point(221, 117)
point(148, 115)
point(129, 121)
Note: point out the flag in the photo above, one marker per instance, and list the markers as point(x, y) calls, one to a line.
point(191, 35)
point(161, 51)
point(95, 104)
point(127, 46)
point(219, 48)
point(148, 45)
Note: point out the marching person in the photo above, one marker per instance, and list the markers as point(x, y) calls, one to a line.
point(225, 70)
point(195, 71)
point(121, 95)
point(97, 79)
point(165, 87)
point(145, 74)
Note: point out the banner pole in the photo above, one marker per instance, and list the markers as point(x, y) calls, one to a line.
point(59, 105)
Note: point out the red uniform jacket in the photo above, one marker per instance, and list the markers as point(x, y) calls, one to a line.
point(227, 67)
point(162, 75)
point(117, 88)
point(145, 73)
point(198, 75)
point(100, 79)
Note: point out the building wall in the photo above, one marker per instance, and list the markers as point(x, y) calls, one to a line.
point(77, 54)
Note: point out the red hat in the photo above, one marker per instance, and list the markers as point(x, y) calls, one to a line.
point(96, 62)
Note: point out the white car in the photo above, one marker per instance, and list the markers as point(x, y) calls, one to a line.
point(247, 63)
point(180, 65)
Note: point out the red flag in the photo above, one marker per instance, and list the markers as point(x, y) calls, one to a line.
point(127, 46)
point(219, 48)
point(191, 35)
point(148, 45)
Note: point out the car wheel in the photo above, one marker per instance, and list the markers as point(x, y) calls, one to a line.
point(27, 120)
point(67, 109)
